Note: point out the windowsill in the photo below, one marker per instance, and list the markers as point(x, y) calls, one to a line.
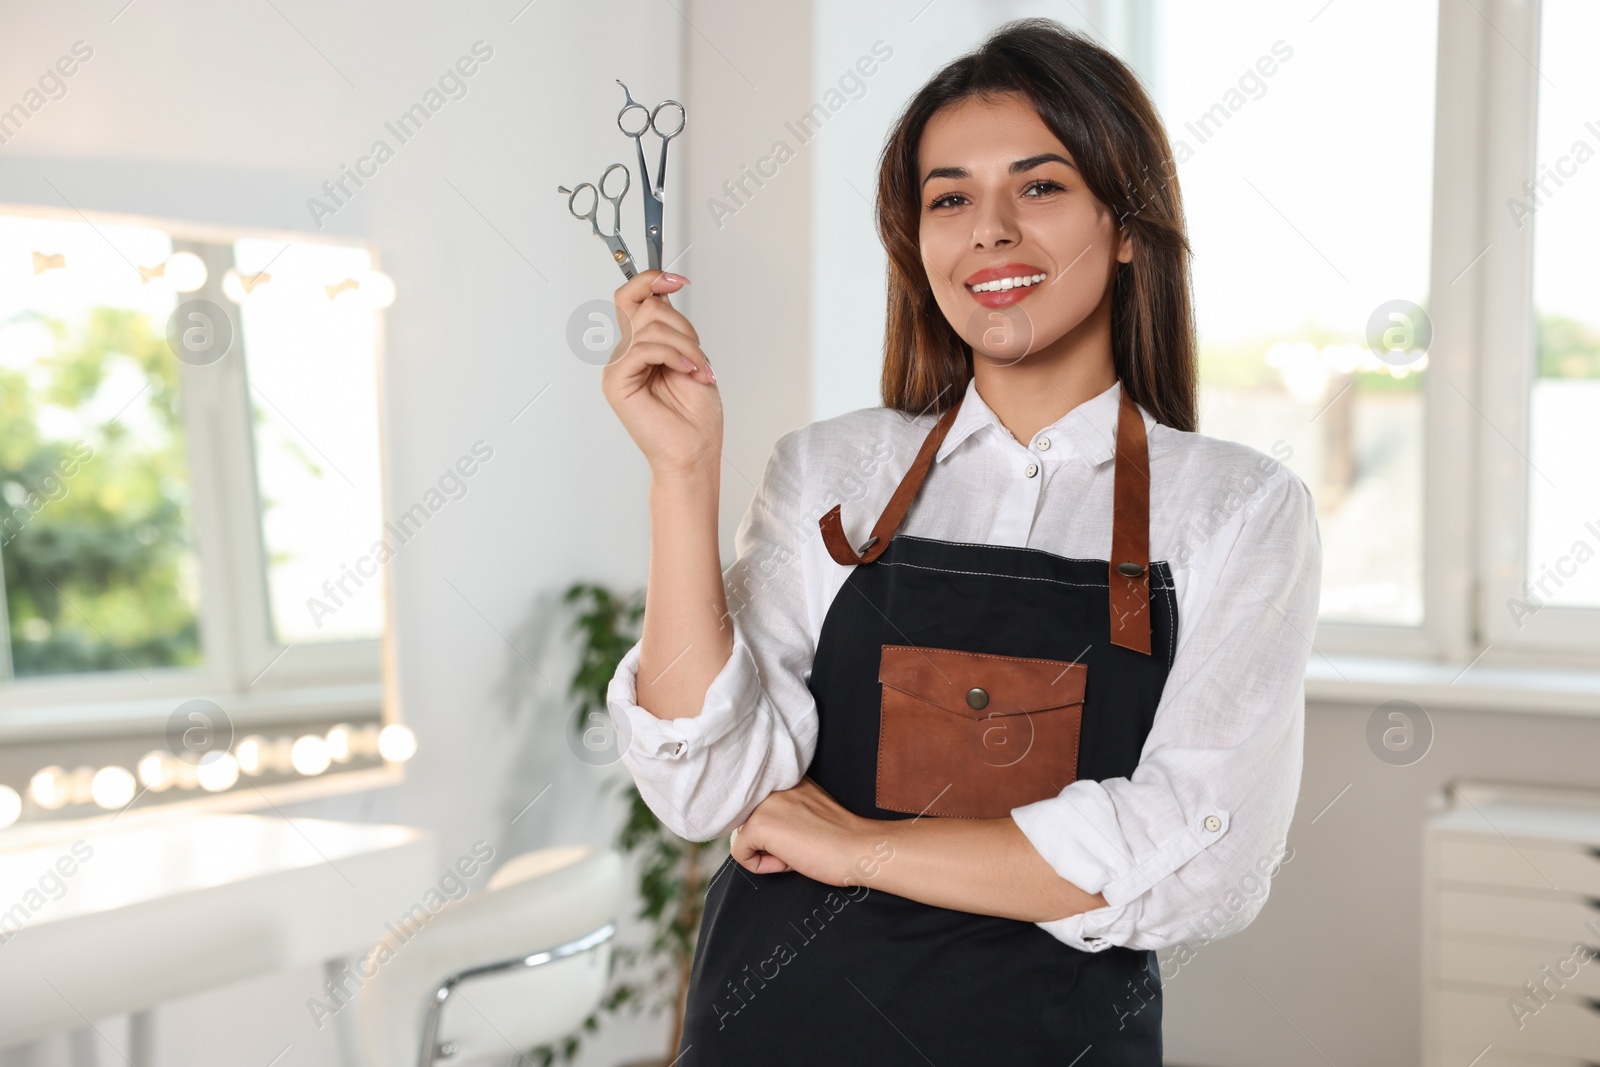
point(1438, 687)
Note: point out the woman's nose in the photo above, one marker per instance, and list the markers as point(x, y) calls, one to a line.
point(994, 225)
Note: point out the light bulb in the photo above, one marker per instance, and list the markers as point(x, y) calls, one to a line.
point(251, 754)
point(217, 772)
point(339, 743)
point(113, 787)
point(10, 806)
point(377, 290)
point(310, 755)
point(186, 271)
point(396, 743)
point(49, 788)
point(156, 772)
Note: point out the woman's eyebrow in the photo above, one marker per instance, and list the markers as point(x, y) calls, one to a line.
point(1018, 167)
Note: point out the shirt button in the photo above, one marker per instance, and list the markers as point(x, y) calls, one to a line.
point(679, 749)
point(1030, 470)
point(1213, 823)
point(1043, 444)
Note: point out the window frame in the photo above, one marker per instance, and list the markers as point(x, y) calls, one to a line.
point(1476, 405)
point(1509, 326)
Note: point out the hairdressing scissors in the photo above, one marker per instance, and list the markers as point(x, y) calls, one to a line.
point(613, 240)
point(652, 193)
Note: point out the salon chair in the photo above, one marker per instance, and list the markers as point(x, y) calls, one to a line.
point(500, 971)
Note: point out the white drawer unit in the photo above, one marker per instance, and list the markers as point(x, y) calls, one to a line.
point(1511, 928)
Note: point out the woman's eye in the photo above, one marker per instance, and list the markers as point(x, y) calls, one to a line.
point(1045, 185)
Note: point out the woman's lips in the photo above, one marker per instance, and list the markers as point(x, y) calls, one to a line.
point(1000, 298)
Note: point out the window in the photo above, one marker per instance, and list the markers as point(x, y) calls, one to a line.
point(1391, 206)
point(1309, 187)
point(189, 467)
point(96, 533)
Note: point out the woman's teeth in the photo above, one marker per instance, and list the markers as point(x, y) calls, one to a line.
point(1000, 284)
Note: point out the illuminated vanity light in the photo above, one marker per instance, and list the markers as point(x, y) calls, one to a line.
point(377, 290)
point(251, 754)
point(396, 743)
point(156, 771)
point(49, 788)
point(113, 787)
point(218, 771)
point(10, 806)
point(340, 738)
point(185, 272)
point(310, 755)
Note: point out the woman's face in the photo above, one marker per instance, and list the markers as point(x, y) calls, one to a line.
point(1001, 199)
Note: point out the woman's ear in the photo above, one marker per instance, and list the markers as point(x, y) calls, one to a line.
point(1124, 246)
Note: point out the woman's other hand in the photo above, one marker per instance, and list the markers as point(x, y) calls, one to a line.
point(804, 829)
point(661, 384)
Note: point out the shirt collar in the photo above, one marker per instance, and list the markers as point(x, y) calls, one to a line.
point(1091, 427)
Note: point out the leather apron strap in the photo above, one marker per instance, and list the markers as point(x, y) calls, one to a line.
point(1129, 567)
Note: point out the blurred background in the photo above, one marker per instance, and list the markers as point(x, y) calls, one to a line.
point(320, 540)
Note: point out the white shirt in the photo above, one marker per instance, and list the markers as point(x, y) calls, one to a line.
point(1183, 849)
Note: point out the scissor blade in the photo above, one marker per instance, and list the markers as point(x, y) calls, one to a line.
point(620, 253)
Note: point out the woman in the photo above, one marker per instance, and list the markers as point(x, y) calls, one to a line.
point(976, 769)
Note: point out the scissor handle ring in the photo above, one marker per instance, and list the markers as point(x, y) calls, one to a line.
point(683, 117)
point(627, 181)
point(629, 106)
point(572, 201)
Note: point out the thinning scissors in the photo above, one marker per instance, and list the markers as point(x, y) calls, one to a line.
point(613, 240)
point(652, 193)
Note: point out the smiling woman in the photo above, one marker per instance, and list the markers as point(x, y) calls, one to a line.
point(1112, 188)
point(1059, 730)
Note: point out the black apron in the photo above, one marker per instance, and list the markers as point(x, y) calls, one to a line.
point(788, 970)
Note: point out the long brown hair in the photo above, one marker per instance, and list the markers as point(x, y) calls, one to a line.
point(1095, 105)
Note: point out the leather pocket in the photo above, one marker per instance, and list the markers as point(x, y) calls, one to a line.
point(969, 735)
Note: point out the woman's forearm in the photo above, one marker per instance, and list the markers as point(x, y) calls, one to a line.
point(687, 636)
point(986, 866)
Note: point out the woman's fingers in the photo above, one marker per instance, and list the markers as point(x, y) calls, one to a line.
point(659, 310)
point(660, 344)
point(747, 850)
point(687, 346)
point(656, 322)
point(647, 284)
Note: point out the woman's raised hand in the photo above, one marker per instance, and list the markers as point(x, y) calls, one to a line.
point(660, 383)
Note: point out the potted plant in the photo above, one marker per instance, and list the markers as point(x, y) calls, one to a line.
point(672, 871)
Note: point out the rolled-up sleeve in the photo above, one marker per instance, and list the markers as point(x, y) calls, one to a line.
point(703, 774)
point(1183, 849)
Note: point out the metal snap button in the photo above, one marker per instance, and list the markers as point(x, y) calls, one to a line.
point(868, 543)
point(1132, 570)
point(1213, 823)
point(977, 699)
point(1043, 444)
point(1031, 469)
